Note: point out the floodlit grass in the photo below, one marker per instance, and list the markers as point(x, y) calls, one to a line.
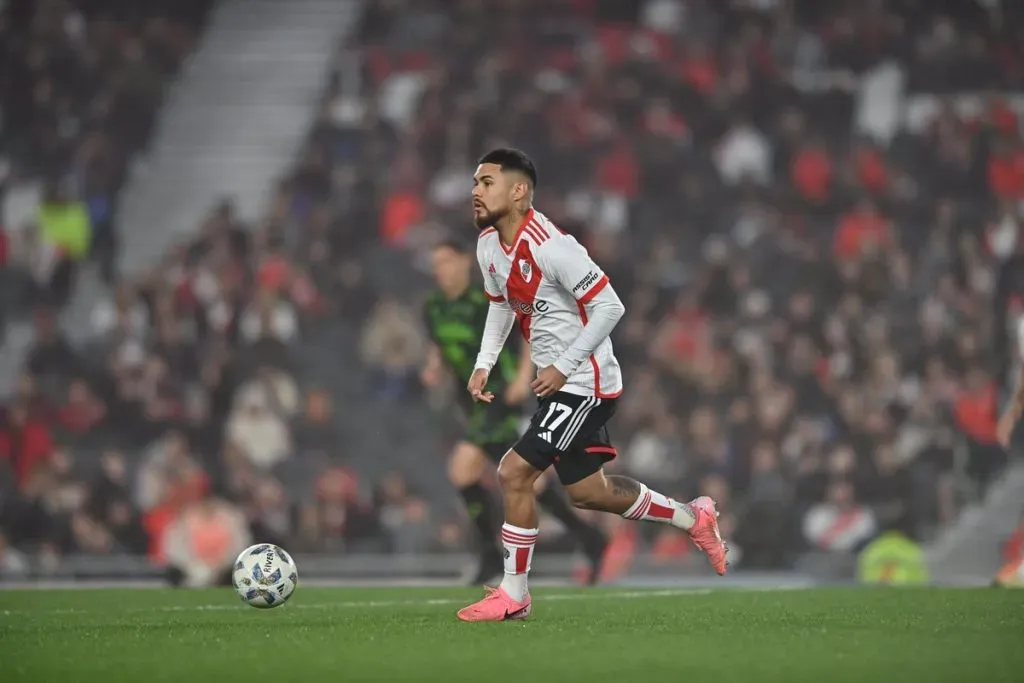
point(856, 635)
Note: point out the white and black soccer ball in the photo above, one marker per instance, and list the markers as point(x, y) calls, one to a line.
point(264, 576)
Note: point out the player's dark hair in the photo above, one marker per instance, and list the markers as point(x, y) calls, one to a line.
point(455, 245)
point(512, 160)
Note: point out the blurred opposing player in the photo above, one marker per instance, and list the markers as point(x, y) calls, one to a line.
point(455, 314)
point(565, 307)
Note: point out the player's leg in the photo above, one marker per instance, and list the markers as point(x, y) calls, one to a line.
point(593, 540)
point(465, 470)
point(555, 503)
point(581, 471)
point(633, 500)
point(517, 476)
point(511, 599)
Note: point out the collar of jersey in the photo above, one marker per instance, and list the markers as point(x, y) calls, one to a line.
point(515, 240)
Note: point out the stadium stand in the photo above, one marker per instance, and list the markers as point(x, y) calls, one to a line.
point(810, 274)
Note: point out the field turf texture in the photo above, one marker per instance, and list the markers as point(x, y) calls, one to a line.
point(607, 634)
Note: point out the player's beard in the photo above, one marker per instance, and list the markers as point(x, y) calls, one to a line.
point(488, 218)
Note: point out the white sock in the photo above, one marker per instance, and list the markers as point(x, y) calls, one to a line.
point(519, 545)
point(651, 506)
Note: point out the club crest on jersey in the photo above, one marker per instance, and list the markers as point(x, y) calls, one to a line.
point(526, 269)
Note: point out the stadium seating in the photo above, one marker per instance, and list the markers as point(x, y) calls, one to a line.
point(809, 275)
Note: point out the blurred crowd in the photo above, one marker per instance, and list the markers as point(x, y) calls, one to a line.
point(82, 81)
point(815, 277)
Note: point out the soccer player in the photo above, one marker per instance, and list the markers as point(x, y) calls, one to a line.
point(545, 281)
point(455, 314)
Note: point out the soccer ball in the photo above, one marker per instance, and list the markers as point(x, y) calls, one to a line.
point(264, 576)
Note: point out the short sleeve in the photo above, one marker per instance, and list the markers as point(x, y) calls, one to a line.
point(491, 287)
point(569, 263)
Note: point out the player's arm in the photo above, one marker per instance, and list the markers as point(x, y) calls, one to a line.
point(431, 372)
point(572, 267)
point(497, 325)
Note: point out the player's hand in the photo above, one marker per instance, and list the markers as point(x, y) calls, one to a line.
point(1004, 428)
point(549, 380)
point(476, 385)
point(432, 371)
point(430, 376)
point(516, 393)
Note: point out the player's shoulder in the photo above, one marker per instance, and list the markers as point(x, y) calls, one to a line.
point(546, 238)
point(488, 239)
point(487, 242)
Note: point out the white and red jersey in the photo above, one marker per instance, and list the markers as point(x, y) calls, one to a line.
point(553, 287)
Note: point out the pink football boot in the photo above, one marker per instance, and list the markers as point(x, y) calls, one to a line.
point(497, 605)
point(705, 534)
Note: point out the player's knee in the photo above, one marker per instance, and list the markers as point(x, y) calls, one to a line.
point(461, 476)
point(465, 467)
point(515, 474)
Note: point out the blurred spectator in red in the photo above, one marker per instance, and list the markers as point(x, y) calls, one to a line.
point(811, 173)
point(618, 173)
point(869, 169)
point(976, 416)
point(202, 542)
point(402, 210)
point(863, 231)
point(82, 411)
point(1006, 169)
point(698, 68)
point(25, 442)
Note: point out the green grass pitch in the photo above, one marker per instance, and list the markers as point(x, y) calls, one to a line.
point(609, 634)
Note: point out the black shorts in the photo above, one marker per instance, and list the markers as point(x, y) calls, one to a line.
point(493, 428)
point(494, 450)
point(569, 432)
